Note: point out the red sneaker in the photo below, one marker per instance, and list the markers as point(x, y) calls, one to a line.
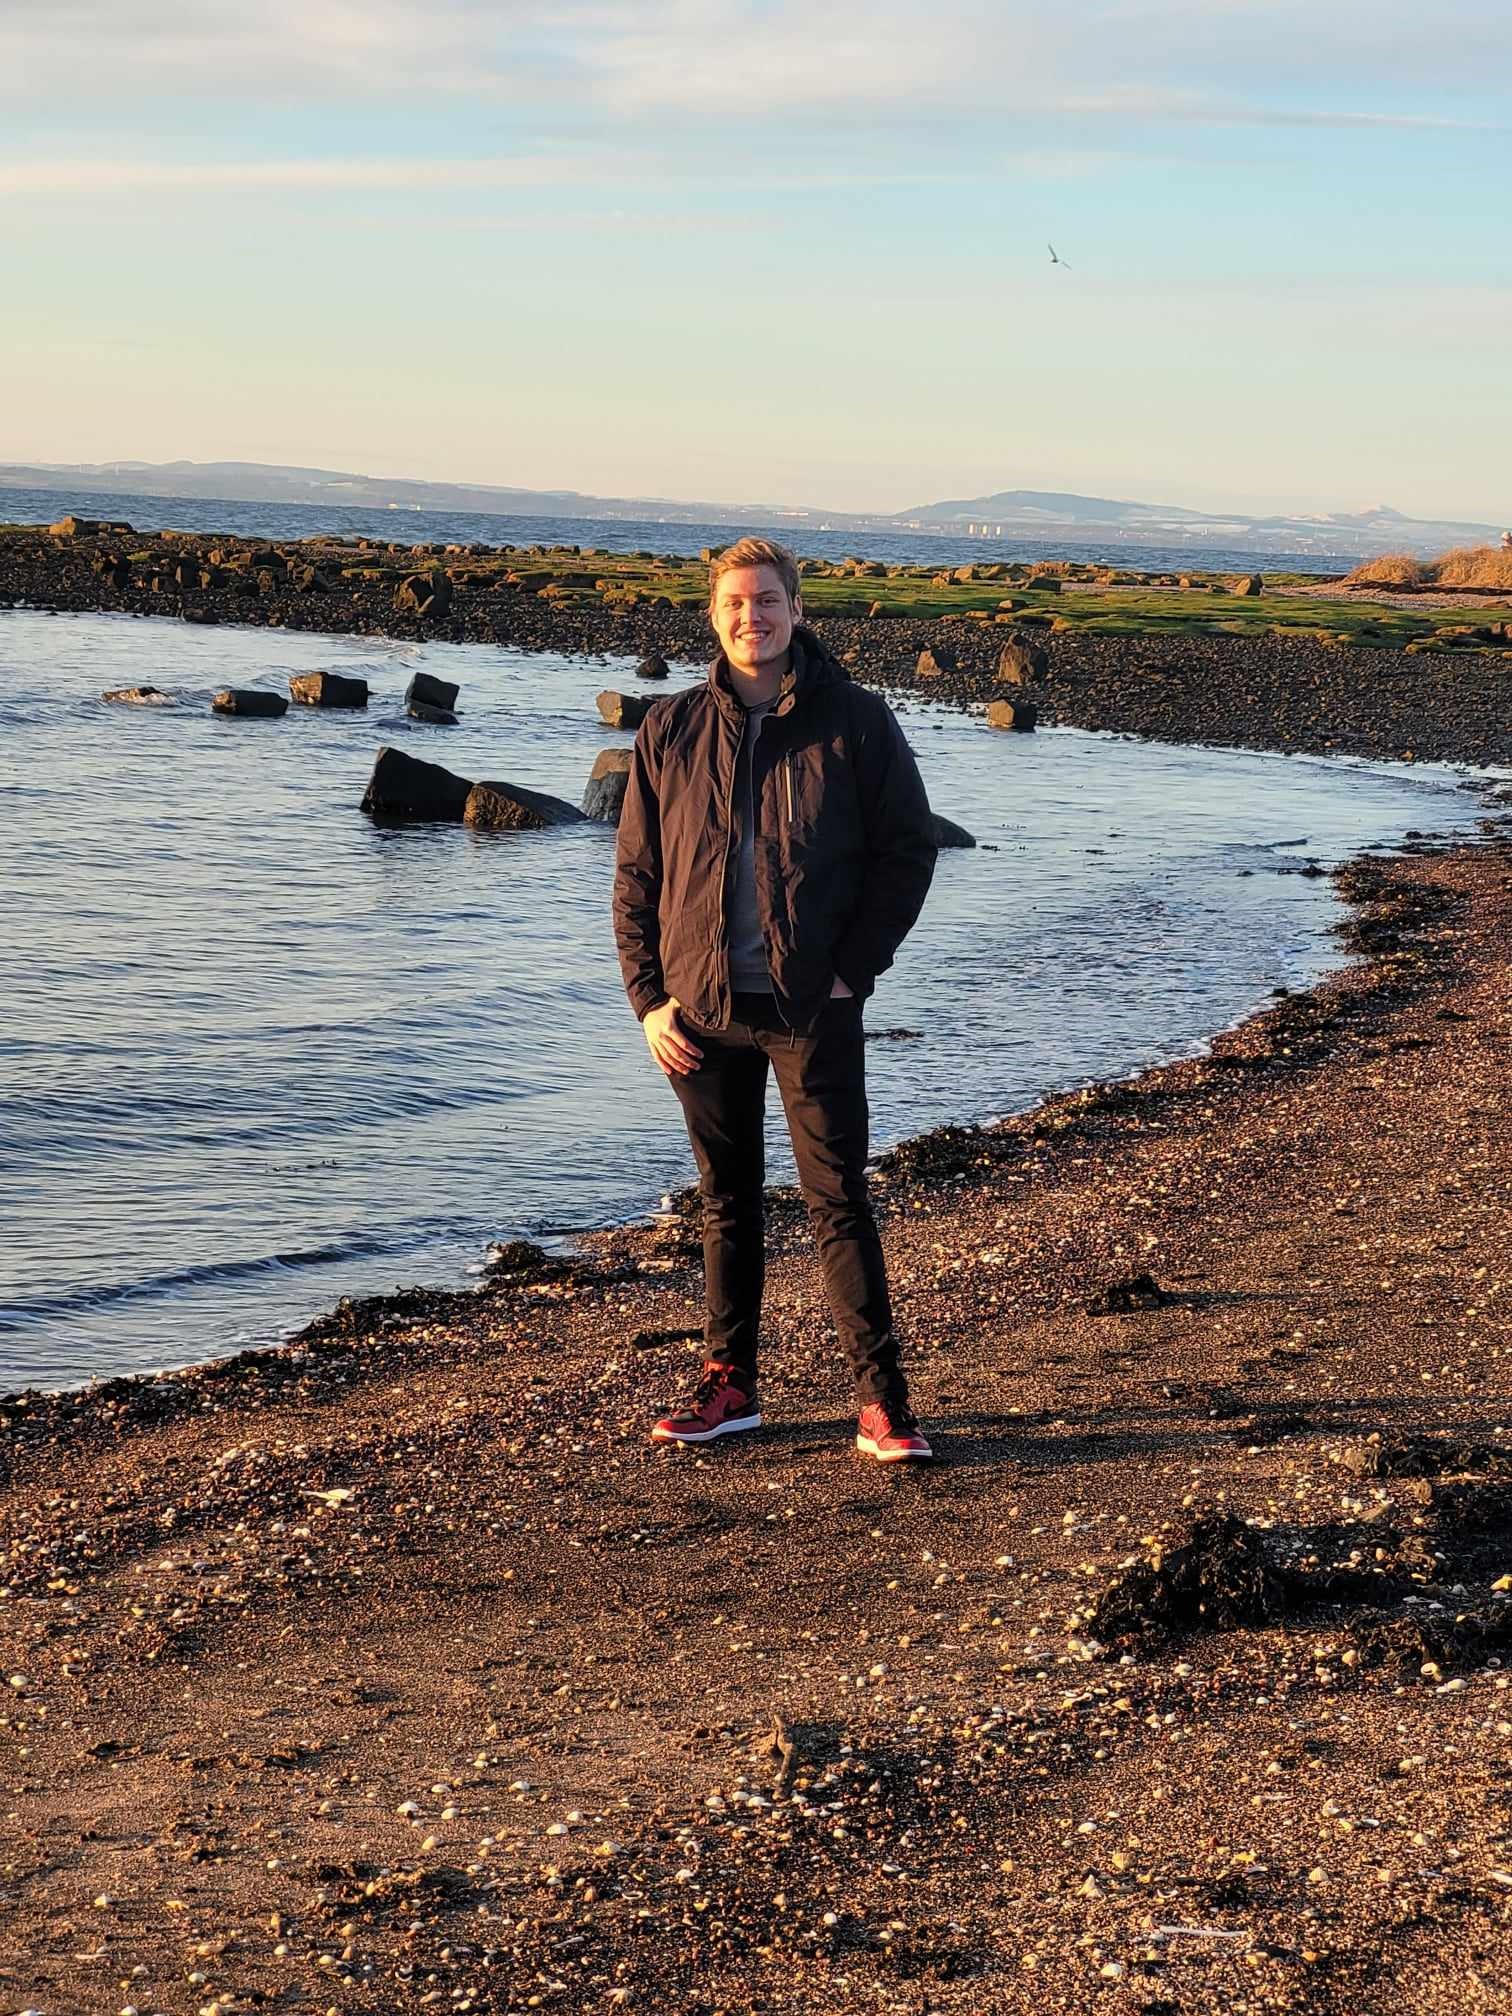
point(720, 1406)
point(888, 1431)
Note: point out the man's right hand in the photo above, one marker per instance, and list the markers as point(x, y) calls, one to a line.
point(671, 1046)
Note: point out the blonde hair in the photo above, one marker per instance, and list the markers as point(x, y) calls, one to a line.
point(753, 552)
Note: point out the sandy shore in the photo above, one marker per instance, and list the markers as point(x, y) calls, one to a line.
point(395, 1669)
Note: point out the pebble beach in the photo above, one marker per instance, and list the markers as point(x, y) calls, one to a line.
point(393, 1667)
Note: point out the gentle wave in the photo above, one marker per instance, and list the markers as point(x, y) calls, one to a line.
point(240, 1020)
point(153, 1287)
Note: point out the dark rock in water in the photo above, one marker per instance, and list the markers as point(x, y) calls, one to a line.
point(1123, 1298)
point(402, 787)
point(247, 700)
point(139, 696)
point(432, 692)
point(1018, 715)
point(948, 834)
point(426, 594)
point(205, 616)
point(499, 807)
point(1022, 664)
point(605, 794)
point(622, 710)
point(513, 1256)
point(652, 668)
point(1220, 1579)
point(438, 717)
point(935, 662)
point(328, 689)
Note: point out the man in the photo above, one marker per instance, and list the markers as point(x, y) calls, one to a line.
point(775, 848)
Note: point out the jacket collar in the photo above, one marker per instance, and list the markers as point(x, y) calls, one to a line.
point(812, 664)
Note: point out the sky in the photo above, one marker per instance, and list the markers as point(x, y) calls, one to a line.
point(757, 251)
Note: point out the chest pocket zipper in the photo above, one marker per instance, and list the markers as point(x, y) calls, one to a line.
point(787, 784)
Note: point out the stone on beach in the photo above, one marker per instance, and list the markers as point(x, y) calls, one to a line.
point(86, 528)
point(1019, 715)
point(622, 710)
point(1124, 1297)
point(1022, 664)
point(604, 796)
point(139, 696)
point(328, 689)
point(249, 701)
point(935, 662)
point(1247, 584)
point(499, 807)
point(426, 594)
point(427, 689)
point(403, 787)
point(112, 567)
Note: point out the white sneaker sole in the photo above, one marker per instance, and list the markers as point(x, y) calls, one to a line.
point(869, 1448)
point(709, 1434)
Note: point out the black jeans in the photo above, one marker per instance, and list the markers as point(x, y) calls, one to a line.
point(822, 1080)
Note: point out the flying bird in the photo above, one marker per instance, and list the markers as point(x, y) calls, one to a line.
point(1056, 259)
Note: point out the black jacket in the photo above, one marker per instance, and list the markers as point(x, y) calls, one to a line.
point(844, 847)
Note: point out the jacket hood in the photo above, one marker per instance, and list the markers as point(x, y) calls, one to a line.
point(813, 664)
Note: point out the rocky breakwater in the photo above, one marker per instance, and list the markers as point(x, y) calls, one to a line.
point(1267, 689)
point(1292, 694)
point(365, 587)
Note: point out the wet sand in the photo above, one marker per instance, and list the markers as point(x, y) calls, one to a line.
point(396, 1669)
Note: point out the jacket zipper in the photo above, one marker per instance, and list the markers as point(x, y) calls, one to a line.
point(724, 878)
point(787, 788)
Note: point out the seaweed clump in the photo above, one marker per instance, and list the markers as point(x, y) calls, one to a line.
point(1218, 1580)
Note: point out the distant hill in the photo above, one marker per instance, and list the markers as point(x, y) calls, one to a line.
point(1047, 507)
point(1004, 514)
point(1378, 529)
point(270, 483)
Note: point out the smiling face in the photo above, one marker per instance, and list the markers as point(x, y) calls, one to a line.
point(753, 616)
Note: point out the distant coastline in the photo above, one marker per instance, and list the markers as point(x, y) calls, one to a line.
point(1246, 663)
point(660, 526)
point(989, 521)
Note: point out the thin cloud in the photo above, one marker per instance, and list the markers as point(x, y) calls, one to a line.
point(1198, 109)
point(104, 178)
point(761, 63)
point(97, 178)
